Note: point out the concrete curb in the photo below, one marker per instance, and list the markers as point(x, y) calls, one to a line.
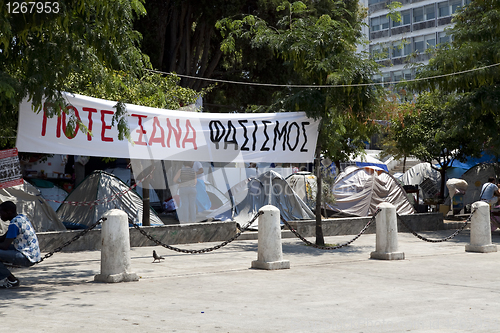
point(222, 231)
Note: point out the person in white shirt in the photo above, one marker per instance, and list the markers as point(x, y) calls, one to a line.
point(490, 192)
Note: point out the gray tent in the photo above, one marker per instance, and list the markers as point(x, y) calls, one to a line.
point(475, 178)
point(425, 177)
point(305, 185)
point(358, 191)
point(29, 201)
point(52, 193)
point(269, 188)
point(101, 192)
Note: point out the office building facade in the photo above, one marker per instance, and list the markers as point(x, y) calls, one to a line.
point(398, 44)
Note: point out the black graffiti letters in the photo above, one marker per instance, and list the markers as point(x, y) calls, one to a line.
point(230, 129)
point(264, 148)
point(279, 134)
point(304, 123)
point(244, 145)
point(217, 134)
point(266, 135)
point(290, 131)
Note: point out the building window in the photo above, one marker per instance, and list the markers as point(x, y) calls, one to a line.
point(419, 44)
point(405, 19)
point(406, 47)
point(443, 37)
point(379, 51)
point(430, 41)
point(397, 49)
point(404, 74)
point(448, 8)
point(375, 51)
point(455, 5)
point(422, 43)
point(372, 2)
point(375, 24)
point(379, 23)
point(418, 14)
point(430, 12)
point(386, 77)
point(443, 9)
point(397, 76)
point(407, 74)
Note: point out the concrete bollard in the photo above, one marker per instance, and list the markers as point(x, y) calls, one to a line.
point(270, 255)
point(115, 251)
point(480, 229)
point(387, 234)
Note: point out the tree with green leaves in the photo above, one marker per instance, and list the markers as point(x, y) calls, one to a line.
point(318, 43)
point(395, 112)
point(40, 51)
point(474, 54)
point(180, 37)
point(428, 131)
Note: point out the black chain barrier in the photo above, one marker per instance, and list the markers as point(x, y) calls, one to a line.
point(242, 230)
point(330, 247)
point(437, 240)
point(51, 253)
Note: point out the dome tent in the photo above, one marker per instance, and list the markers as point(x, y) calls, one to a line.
point(358, 191)
point(29, 201)
point(107, 192)
point(269, 188)
point(475, 178)
point(305, 185)
point(423, 175)
point(52, 193)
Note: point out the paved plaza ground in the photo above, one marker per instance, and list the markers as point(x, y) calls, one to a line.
point(437, 288)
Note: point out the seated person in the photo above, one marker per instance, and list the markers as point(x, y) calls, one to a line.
point(169, 205)
point(19, 246)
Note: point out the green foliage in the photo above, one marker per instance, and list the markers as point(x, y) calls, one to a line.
point(394, 14)
point(476, 44)
point(40, 51)
point(395, 114)
point(153, 90)
point(319, 46)
point(429, 131)
point(149, 89)
point(316, 42)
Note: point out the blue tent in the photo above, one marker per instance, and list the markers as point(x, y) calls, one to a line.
point(458, 168)
point(380, 165)
point(473, 161)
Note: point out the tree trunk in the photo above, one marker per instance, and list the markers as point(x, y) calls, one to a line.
point(154, 30)
point(320, 239)
point(442, 171)
point(145, 205)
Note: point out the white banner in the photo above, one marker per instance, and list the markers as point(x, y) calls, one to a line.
point(161, 134)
